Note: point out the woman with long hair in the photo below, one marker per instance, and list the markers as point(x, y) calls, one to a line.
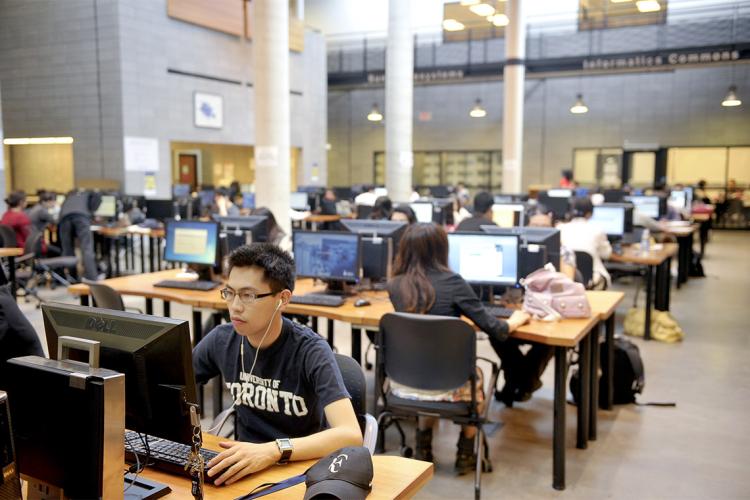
point(423, 283)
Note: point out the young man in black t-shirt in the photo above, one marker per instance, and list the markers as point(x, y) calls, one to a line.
point(290, 398)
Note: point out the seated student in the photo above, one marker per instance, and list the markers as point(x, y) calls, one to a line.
point(423, 283)
point(367, 197)
point(42, 215)
point(328, 203)
point(580, 235)
point(16, 218)
point(17, 336)
point(483, 202)
point(382, 208)
point(459, 210)
point(283, 376)
point(224, 204)
point(404, 213)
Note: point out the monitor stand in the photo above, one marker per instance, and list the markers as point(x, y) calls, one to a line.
point(137, 487)
point(335, 287)
point(205, 273)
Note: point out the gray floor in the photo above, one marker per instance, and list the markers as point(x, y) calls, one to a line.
point(700, 449)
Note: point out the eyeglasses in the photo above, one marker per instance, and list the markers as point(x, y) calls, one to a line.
point(246, 297)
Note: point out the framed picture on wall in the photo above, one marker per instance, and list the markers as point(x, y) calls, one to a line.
point(208, 110)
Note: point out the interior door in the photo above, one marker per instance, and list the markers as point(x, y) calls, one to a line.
point(188, 168)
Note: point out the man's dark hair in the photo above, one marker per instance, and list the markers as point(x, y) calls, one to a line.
point(15, 199)
point(277, 265)
point(483, 201)
point(47, 196)
point(582, 206)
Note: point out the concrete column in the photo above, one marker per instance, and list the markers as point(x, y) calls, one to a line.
point(2, 158)
point(513, 84)
point(314, 166)
point(399, 86)
point(271, 85)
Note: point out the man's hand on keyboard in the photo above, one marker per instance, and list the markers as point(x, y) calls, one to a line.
point(240, 459)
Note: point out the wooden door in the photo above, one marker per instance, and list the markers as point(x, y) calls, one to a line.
point(188, 170)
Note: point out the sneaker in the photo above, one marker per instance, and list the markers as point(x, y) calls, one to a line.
point(522, 395)
point(466, 460)
point(423, 450)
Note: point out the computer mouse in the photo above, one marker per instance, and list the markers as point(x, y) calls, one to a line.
point(361, 302)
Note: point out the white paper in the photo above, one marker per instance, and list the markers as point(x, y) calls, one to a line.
point(266, 156)
point(141, 154)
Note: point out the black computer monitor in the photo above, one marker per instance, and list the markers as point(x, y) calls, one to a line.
point(423, 210)
point(614, 195)
point(160, 209)
point(653, 206)
point(549, 237)
point(192, 241)
point(206, 197)
point(380, 239)
point(440, 191)
point(442, 211)
point(343, 193)
point(108, 207)
point(615, 219)
point(560, 207)
point(299, 201)
point(364, 211)
point(483, 258)
point(327, 255)
point(244, 230)
point(181, 190)
point(510, 198)
point(154, 354)
point(508, 215)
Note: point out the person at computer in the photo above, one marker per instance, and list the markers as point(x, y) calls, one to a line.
point(16, 218)
point(41, 216)
point(367, 197)
point(404, 213)
point(76, 215)
point(328, 203)
point(224, 205)
point(289, 395)
point(581, 235)
point(382, 208)
point(422, 283)
point(483, 202)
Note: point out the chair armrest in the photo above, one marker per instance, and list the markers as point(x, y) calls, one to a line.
point(370, 437)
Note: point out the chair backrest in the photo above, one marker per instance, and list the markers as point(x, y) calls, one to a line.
point(354, 380)
point(33, 244)
point(8, 236)
point(427, 352)
point(105, 296)
point(585, 265)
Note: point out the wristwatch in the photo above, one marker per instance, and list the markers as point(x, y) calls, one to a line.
point(286, 448)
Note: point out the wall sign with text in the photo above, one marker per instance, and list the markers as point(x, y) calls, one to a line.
point(208, 110)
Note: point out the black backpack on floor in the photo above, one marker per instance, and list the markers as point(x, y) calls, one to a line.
point(628, 374)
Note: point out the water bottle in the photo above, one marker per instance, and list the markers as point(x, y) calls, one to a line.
point(645, 241)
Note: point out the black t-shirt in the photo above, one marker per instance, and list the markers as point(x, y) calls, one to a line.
point(474, 224)
point(294, 379)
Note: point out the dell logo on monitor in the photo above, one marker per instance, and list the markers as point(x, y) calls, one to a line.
point(100, 325)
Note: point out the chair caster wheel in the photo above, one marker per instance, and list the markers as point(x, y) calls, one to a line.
point(368, 365)
point(406, 451)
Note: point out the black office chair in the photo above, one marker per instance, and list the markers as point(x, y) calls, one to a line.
point(584, 268)
point(354, 381)
point(430, 353)
point(53, 267)
point(106, 297)
point(8, 236)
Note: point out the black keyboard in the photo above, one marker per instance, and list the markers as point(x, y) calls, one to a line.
point(163, 455)
point(318, 299)
point(200, 285)
point(498, 312)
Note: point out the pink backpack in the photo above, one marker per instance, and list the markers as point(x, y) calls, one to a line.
point(551, 295)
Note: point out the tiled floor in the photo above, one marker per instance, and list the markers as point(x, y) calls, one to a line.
point(700, 449)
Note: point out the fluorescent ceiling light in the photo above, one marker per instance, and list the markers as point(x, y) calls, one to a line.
point(579, 107)
point(24, 141)
point(452, 25)
point(620, 1)
point(375, 115)
point(499, 20)
point(648, 5)
point(466, 3)
point(478, 111)
point(731, 99)
point(482, 9)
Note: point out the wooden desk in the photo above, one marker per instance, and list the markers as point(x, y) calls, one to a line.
point(684, 235)
point(394, 477)
point(11, 254)
point(656, 259)
point(113, 236)
point(315, 219)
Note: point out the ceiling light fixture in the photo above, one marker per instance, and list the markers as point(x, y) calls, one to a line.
point(478, 111)
point(620, 1)
point(24, 141)
point(482, 9)
point(648, 5)
point(452, 25)
point(375, 115)
point(731, 98)
point(579, 107)
point(467, 3)
point(499, 19)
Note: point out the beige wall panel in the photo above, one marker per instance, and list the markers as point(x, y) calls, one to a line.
point(739, 165)
point(41, 166)
point(689, 165)
point(221, 15)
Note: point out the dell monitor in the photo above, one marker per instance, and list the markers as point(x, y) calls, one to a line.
point(484, 259)
point(440, 191)
point(248, 201)
point(160, 209)
point(238, 231)
point(389, 228)
point(193, 242)
point(510, 198)
point(560, 207)
point(154, 353)
point(614, 195)
point(380, 240)
point(299, 201)
point(108, 207)
point(181, 191)
point(649, 206)
point(343, 193)
point(506, 215)
point(549, 237)
point(442, 211)
point(327, 255)
point(423, 210)
point(610, 218)
point(206, 197)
